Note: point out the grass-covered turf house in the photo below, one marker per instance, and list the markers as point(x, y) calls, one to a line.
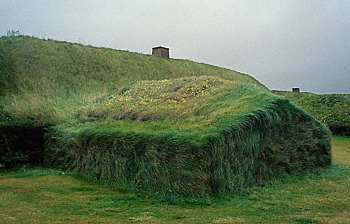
point(137, 122)
point(331, 109)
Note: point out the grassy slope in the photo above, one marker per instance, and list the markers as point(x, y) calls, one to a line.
point(50, 80)
point(332, 109)
point(46, 196)
point(204, 130)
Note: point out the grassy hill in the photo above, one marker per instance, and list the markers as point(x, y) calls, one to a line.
point(49, 80)
point(137, 122)
point(332, 109)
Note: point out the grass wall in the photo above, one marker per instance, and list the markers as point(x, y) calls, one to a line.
point(276, 140)
point(331, 109)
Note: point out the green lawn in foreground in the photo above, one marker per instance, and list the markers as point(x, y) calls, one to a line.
point(48, 196)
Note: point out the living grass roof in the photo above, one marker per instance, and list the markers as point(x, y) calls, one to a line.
point(192, 104)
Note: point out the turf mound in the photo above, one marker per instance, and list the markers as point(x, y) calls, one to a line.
point(331, 109)
point(194, 136)
point(170, 127)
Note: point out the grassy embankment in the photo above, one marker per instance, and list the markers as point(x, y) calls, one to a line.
point(171, 127)
point(331, 109)
point(47, 81)
point(48, 196)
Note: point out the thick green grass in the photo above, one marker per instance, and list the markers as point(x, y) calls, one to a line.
point(165, 158)
point(48, 196)
point(138, 122)
point(48, 81)
point(331, 109)
point(193, 104)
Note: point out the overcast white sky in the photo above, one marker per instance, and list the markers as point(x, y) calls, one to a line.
point(282, 43)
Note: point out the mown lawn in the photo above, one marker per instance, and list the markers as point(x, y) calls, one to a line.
point(48, 196)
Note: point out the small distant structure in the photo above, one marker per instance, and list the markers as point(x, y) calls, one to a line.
point(296, 90)
point(162, 52)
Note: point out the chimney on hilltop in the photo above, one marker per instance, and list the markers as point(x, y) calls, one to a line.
point(162, 52)
point(296, 90)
